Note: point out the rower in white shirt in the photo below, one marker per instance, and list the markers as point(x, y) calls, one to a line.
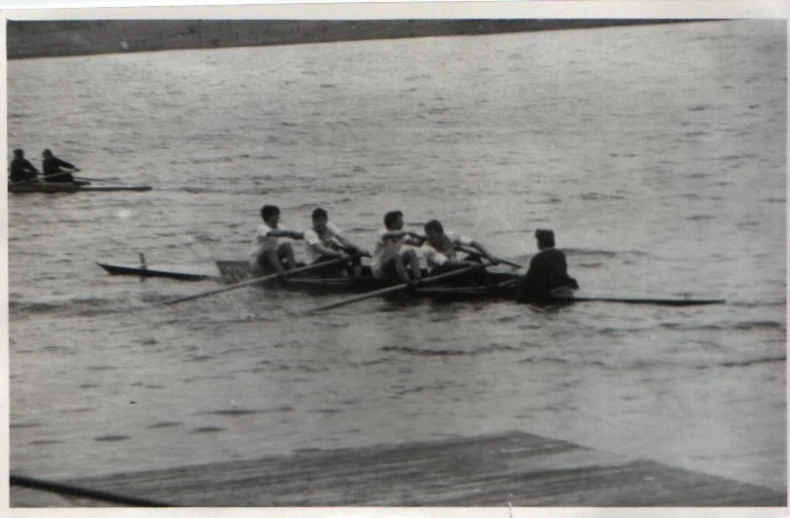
point(389, 259)
point(440, 249)
point(269, 255)
point(325, 242)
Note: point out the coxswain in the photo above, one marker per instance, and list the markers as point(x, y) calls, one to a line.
point(52, 165)
point(21, 169)
point(548, 271)
point(268, 255)
point(325, 242)
point(390, 260)
point(440, 249)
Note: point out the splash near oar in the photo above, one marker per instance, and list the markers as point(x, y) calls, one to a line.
point(253, 281)
point(391, 289)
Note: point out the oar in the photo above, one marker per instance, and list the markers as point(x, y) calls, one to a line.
point(111, 182)
point(507, 284)
point(477, 252)
point(391, 289)
point(499, 259)
point(253, 281)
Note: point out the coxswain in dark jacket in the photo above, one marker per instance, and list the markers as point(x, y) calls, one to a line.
point(52, 168)
point(548, 270)
point(21, 169)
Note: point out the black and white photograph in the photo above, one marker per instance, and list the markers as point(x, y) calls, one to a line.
point(422, 262)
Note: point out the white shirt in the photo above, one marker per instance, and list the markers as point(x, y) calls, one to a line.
point(263, 240)
point(328, 240)
point(433, 257)
point(384, 251)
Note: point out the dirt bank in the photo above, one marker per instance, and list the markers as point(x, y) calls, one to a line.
point(31, 39)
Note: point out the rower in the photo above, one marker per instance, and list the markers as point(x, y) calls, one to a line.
point(389, 261)
point(52, 168)
point(325, 242)
point(21, 169)
point(440, 249)
point(269, 256)
point(548, 271)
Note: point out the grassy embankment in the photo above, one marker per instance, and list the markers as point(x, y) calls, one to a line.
point(31, 39)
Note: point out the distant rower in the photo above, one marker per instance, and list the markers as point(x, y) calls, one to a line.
point(548, 270)
point(389, 262)
point(440, 248)
point(268, 255)
point(325, 242)
point(21, 169)
point(52, 168)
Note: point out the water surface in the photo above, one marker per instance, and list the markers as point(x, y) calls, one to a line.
point(657, 154)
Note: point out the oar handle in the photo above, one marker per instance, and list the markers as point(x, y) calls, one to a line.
point(498, 259)
point(253, 281)
point(507, 284)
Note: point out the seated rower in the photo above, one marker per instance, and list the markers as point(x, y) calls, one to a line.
point(269, 256)
point(548, 271)
point(52, 168)
point(325, 242)
point(389, 261)
point(440, 249)
point(447, 243)
point(21, 169)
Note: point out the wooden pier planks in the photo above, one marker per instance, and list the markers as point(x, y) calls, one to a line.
point(525, 470)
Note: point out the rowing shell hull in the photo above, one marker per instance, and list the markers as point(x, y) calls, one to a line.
point(68, 187)
point(455, 289)
point(117, 269)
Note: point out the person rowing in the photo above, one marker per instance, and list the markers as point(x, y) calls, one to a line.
point(440, 247)
point(21, 170)
point(548, 271)
point(389, 260)
point(440, 250)
point(325, 242)
point(52, 167)
point(269, 255)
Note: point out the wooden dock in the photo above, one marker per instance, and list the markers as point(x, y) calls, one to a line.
point(520, 469)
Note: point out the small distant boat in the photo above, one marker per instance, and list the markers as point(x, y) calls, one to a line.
point(54, 187)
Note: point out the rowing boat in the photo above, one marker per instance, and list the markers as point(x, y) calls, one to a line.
point(497, 285)
point(68, 187)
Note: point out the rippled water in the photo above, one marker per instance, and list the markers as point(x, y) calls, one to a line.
point(656, 153)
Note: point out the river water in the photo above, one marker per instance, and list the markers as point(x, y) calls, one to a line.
point(657, 154)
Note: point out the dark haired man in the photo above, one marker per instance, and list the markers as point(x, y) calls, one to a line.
point(548, 271)
point(51, 166)
point(389, 261)
point(440, 249)
point(21, 169)
point(268, 255)
point(325, 242)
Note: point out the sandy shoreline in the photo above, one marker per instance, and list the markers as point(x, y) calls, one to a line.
point(34, 39)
